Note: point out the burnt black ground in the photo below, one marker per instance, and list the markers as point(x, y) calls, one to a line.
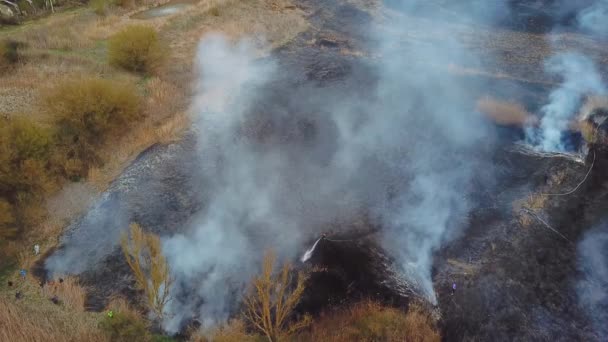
point(514, 282)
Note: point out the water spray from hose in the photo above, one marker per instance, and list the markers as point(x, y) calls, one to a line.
point(309, 252)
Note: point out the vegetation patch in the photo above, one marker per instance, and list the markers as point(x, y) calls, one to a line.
point(10, 53)
point(87, 112)
point(136, 48)
point(370, 321)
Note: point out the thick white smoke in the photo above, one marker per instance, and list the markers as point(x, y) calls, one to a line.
point(405, 153)
point(213, 260)
point(592, 289)
point(593, 18)
point(580, 77)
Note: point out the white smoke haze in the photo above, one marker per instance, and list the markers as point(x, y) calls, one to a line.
point(580, 78)
point(406, 155)
point(593, 18)
point(592, 289)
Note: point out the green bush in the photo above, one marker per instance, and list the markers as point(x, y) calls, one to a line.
point(88, 112)
point(122, 327)
point(136, 48)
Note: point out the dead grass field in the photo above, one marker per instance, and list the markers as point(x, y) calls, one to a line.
point(34, 317)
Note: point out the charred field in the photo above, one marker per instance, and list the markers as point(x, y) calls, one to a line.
point(513, 252)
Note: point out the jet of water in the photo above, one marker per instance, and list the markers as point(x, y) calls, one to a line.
point(309, 252)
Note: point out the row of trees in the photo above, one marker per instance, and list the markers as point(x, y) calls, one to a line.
point(269, 305)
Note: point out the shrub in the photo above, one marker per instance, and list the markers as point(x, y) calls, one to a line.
point(24, 154)
point(10, 53)
point(370, 321)
point(87, 112)
point(100, 7)
point(136, 48)
point(123, 327)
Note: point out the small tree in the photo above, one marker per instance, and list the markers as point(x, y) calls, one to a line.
point(271, 300)
point(144, 255)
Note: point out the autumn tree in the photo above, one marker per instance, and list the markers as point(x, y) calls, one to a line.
point(144, 256)
point(272, 298)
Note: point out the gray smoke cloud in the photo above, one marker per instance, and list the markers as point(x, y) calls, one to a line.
point(592, 288)
point(580, 77)
point(406, 154)
point(593, 18)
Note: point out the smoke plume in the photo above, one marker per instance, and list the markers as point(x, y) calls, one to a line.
point(282, 168)
point(592, 289)
point(593, 18)
point(580, 77)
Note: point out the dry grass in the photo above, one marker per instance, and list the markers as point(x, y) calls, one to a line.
point(535, 203)
point(591, 104)
point(370, 321)
point(267, 25)
point(71, 45)
point(119, 155)
point(69, 292)
point(505, 113)
point(121, 305)
point(463, 267)
point(234, 331)
point(163, 99)
point(70, 201)
point(19, 324)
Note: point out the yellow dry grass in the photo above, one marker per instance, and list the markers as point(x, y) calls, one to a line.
point(370, 321)
point(592, 103)
point(119, 155)
point(69, 292)
point(233, 331)
point(21, 324)
point(35, 318)
point(268, 25)
point(119, 304)
point(505, 113)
